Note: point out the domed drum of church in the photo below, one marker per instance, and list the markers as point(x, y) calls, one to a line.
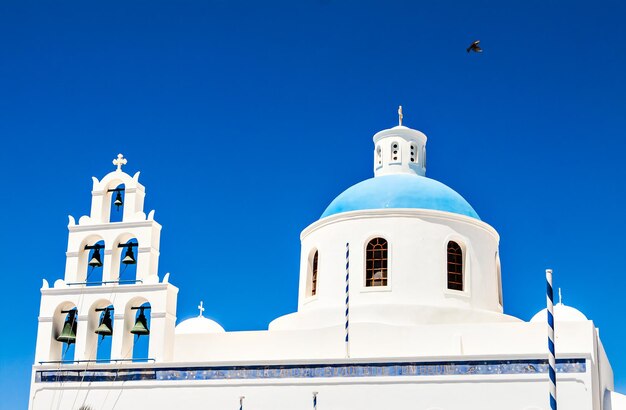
point(399, 306)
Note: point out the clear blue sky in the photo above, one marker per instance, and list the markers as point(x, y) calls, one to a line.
point(248, 118)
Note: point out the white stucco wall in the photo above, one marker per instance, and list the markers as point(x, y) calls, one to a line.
point(523, 392)
point(417, 270)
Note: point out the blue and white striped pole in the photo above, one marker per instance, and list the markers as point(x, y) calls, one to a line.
point(348, 300)
point(552, 355)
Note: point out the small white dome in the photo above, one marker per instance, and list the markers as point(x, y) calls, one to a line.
point(562, 313)
point(198, 324)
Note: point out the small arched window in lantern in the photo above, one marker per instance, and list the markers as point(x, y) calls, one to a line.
point(395, 151)
point(455, 266)
point(376, 262)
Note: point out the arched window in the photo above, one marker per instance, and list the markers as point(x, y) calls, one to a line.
point(313, 276)
point(311, 273)
point(499, 277)
point(376, 262)
point(455, 266)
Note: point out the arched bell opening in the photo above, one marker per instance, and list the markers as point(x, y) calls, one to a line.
point(136, 339)
point(92, 262)
point(99, 331)
point(141, 331)
point(124, 259)
point(90, 259)
point(64, 328)
point(104, 333)
point(116, 196)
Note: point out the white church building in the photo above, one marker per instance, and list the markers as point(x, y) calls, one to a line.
point(399, 307)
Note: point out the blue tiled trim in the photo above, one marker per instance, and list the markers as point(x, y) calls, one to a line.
point(307, 371)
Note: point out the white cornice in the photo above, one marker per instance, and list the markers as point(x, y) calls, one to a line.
point(114, 225)
point(396, 213)
point(77, 290)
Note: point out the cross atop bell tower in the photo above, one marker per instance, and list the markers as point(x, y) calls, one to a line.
point(119, 161)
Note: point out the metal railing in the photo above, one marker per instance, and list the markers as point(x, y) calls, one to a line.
point(140, 360)
point(106, 282)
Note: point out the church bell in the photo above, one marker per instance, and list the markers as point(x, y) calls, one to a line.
point(141, 325)
point(118, 200)
point(68, 334)
point(106, 326)
point(95, 260)
point(129, 257)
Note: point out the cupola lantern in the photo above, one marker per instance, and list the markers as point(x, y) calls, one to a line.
point(399, 150)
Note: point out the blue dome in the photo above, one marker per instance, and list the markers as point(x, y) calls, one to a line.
point(400, 191)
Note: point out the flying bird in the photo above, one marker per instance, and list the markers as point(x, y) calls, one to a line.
point(475, 47)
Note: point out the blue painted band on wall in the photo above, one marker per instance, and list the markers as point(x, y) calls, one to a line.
point(491, 367)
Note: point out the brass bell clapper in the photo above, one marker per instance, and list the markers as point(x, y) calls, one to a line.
point(68, 334)
point(141, 324)
point(105, 328)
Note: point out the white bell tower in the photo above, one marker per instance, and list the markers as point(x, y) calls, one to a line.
point(92, 283)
